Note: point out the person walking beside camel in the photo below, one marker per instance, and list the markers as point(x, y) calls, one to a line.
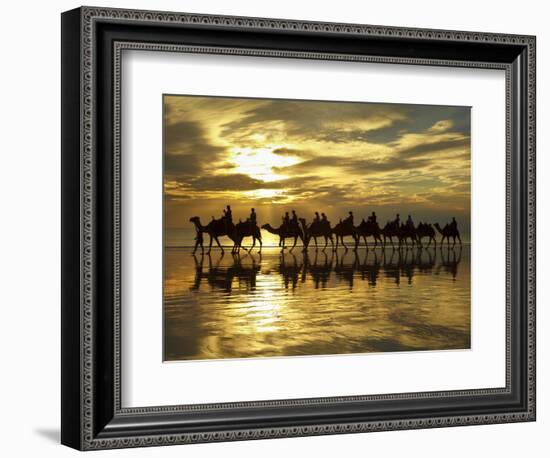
point(199, 240)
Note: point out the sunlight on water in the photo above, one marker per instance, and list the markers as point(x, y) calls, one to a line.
point(252, 305)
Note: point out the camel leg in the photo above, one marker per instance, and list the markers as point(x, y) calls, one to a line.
point(210, 244)
point(295, 241)
point(343, 244)
point(261, 244)
point(326, 243)
point(253, 244)
point(219, 244)
point(315, 240)
point(282, 244)
point(459, 241)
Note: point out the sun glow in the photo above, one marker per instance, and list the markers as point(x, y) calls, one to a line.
point(259, 163)
point(263, 193)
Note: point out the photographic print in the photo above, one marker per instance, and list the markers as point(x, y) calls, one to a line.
point(302, 227)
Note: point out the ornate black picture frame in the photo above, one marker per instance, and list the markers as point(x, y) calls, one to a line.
point(92, 42)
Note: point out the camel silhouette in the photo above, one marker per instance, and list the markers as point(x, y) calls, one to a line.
point(369, 229)
point(447, 232)
point(285, 231)
point(407, 232)
point(247, 229)
point(425, 230)
point(314, 230)
point(390, 230)
point(342, 230)
point(215, 229)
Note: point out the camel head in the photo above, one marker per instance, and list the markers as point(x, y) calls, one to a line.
point(195, 220)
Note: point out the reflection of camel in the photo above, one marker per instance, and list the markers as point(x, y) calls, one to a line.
point(314, 230)
point(345, 271)
point(247, 229)
point(319, 271)
point(447, 232)
point(216, 228)
point(450, 265)
point(222, 277)
point(285, 231)
point(369, 229)
point(425, 230)
point(343, 229)
point(289, 272)
point(368, 271)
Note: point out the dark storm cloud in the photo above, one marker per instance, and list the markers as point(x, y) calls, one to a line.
point(188, 148)
point(441, 146)
point(310, 119)
point(419, 118)
point(292, 152)
point(362, 166)
point(232, 182)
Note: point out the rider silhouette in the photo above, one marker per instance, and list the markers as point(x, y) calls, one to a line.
point(372, 218)
point(316, 219)
point(349, 219)
point(286, 219)
point(294, 219)
point(228, 215)
point(453, 224)
point(396, 220)
point(410, 223)
point(252, 217)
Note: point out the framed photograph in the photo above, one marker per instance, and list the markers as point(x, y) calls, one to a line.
point(276, 228)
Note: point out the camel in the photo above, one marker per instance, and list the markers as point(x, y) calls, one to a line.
point(316, 229)
point(284, 232)
point(447, 232)
point(407, 232)
point(342, 230)
point(425, 230)
point(216, 228)
point(369, 229)
point(247, 229)
point(390, 230)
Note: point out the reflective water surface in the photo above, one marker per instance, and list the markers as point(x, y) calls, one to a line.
point(315, 303)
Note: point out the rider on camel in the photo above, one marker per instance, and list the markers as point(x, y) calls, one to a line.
point(294, 219)
point(349, 219)
point(396, 220)
point(317, 219)
point(252, 217)
point(372, 218)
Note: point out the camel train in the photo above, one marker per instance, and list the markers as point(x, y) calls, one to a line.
point(295, 228)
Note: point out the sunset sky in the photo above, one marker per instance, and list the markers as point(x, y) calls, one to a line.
point(279, 155)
